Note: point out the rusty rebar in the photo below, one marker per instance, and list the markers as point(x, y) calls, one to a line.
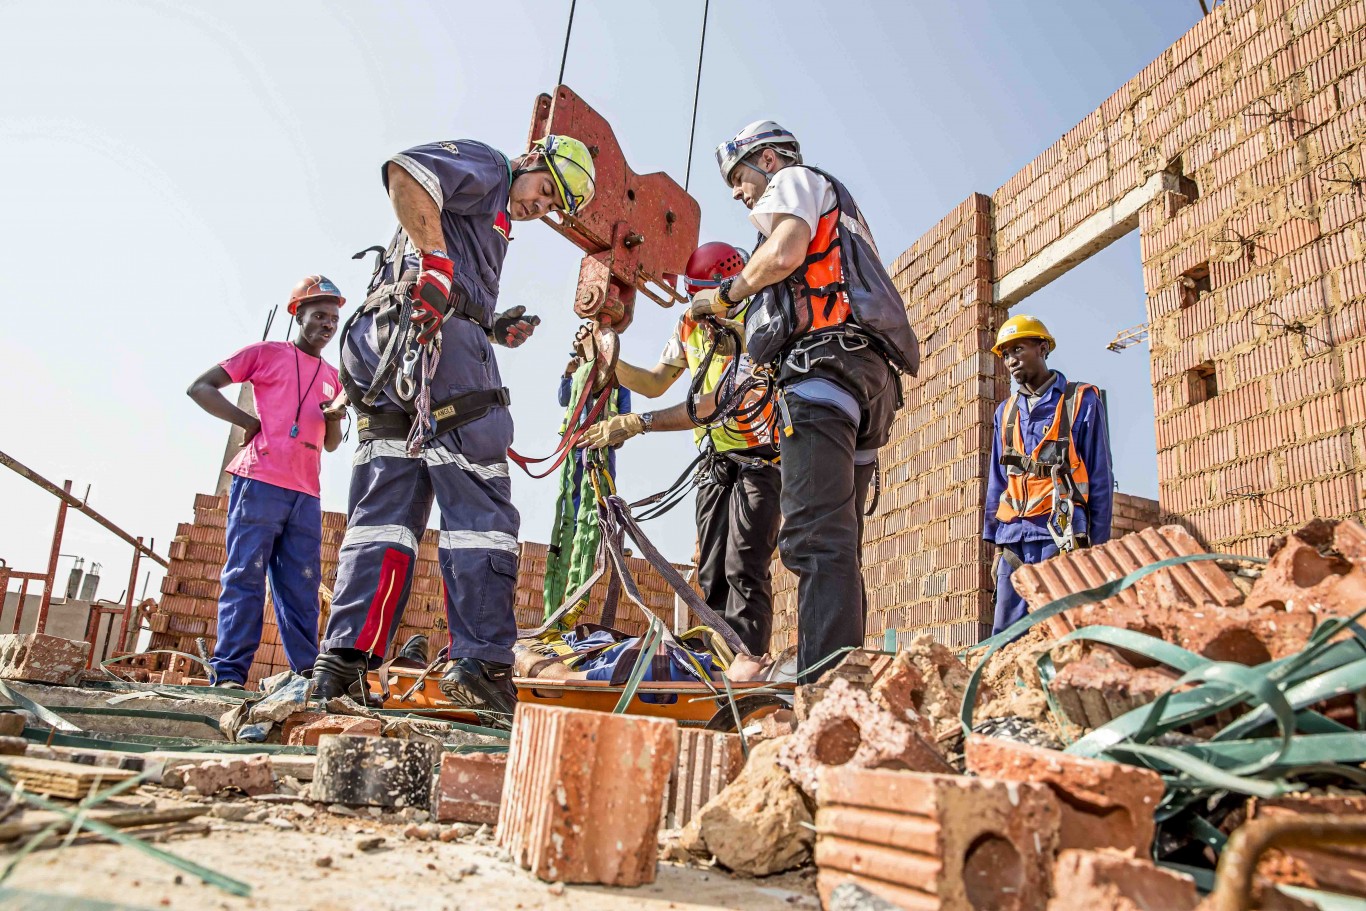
point(1238, 863)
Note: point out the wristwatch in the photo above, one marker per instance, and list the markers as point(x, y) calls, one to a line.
point(647, 421)
point(723, 291)
point(438, 252)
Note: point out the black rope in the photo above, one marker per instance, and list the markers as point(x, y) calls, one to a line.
point(696, 92)
point(564, 58)
point(730, 408)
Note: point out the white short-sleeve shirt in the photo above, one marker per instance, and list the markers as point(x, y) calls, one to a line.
point(793, 191)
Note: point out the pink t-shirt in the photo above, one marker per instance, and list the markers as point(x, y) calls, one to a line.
point(285, 382)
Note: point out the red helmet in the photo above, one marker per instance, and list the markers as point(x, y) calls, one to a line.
point(712, 262)
point(314, 289)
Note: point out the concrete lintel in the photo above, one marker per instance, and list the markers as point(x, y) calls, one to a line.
point(1086, 239)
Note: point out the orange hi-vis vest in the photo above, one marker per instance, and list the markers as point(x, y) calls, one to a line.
point(821, 280)
point(1033, 481)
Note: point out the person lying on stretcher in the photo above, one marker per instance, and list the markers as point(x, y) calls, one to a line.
point(594, 652)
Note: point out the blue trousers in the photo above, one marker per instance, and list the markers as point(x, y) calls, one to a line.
point(277, 533)
point(1010, 607)
point(391, 497)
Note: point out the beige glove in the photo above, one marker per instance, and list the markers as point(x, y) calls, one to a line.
point(612, 432)
point(707, 302)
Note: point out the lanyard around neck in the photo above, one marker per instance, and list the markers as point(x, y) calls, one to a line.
point(298, 387)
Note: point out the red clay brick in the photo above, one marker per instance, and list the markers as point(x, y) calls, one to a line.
point(469, 787)
point(847, 728)
point(583, 794)
point(1107, 881)
point(937, 841)
point(707, 762)
point(1104, 804)
point(303, 729)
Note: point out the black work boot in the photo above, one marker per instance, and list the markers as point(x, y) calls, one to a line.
point(484, 686)
point(341, 672)
point(414, 652)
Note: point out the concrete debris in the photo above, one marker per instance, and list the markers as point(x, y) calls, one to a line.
point(374, 771)
point(584, 793)
point(250, 775)
point(849, 897)
point(760, 823)
point(12, 724)
point(848, 728)
point(39, 658)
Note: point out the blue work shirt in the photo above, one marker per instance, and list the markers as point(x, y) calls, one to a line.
point(469, 182)
point(1092, 440)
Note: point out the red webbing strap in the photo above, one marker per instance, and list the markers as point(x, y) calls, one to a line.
point(570, 438)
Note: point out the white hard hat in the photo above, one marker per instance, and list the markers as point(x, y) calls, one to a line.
point(758, 135)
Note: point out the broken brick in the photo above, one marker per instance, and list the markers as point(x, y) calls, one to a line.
point(847, 728)
point(1104, 804)
point(1099, 687)
point(40, 658)
point(1332, 868)
point(583, 794)
point(928, 680)
point(707, 762)
point(251, 775)
point(374, 771)
point(305, 729)
point(1109, 881)
point(1320, 569)
point(861, 667)
point(936, 841)
point(469, 787)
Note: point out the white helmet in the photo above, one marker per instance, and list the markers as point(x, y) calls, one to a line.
point(761, 134)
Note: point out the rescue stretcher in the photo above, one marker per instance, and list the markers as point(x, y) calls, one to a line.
point(693, 703)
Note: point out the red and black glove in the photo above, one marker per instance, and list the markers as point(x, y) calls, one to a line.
point(512, 326)
point(432, 295)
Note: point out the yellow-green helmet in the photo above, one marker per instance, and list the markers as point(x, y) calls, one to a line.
point(571, 170)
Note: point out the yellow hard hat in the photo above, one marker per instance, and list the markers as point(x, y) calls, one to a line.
point(571, 169)
point(1022, 326)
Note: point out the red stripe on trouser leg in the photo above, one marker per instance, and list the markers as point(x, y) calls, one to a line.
point(393, 572)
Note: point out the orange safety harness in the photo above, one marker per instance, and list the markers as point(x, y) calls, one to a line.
point(1052, 480)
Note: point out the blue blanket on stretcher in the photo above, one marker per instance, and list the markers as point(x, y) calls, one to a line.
point(607, 664)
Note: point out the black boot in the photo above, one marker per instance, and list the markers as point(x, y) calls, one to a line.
point(414, 652)
point(341, 672)
point(484, 686)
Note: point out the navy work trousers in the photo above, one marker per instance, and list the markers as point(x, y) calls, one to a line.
point(1010, 607)
point(277, 533)
point(391, 498)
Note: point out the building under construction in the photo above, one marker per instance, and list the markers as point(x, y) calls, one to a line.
point(1180, 727)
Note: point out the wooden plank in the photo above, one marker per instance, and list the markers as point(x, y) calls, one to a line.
point(119, 819)
point(60, 779)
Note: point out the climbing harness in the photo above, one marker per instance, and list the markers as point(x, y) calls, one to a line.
point(414, 384)
point(1051, 481)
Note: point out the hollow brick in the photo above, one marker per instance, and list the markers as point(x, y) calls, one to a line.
point(1103, 804)
point(936, 841)
point(584, 792)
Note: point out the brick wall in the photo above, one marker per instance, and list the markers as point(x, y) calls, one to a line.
point(1249, 126)
point(1133, 514)
point(189, 602)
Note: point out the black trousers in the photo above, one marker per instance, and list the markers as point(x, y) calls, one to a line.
point(737, 529)
point(828, 465)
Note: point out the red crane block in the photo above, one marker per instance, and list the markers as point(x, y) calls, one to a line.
point(639, 230)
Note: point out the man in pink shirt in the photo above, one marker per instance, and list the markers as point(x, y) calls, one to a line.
point(274, 513)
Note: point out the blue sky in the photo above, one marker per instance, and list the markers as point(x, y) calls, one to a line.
point(172, 169)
